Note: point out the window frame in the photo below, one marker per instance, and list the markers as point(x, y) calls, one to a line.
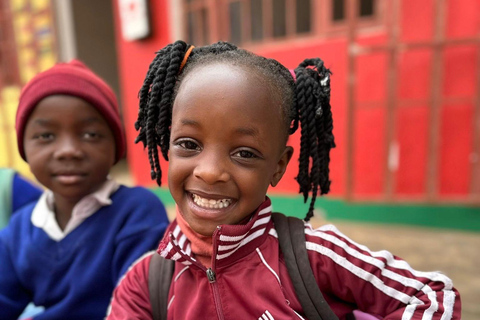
point(329, 26)
point(322, 24)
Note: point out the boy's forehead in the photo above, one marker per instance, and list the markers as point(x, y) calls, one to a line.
point(54, 107)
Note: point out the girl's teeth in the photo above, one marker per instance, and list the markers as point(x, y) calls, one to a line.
point(210, 203)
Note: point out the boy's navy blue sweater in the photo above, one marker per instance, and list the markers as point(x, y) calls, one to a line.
point(74, 278)
point(23, 192)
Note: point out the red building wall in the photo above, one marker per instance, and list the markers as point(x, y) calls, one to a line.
point(459, 76)
point(134, 58)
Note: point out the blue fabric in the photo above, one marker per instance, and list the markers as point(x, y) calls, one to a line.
point(75, 277)
point(24, 192)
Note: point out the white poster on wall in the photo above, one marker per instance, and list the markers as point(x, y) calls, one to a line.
point(134, 19)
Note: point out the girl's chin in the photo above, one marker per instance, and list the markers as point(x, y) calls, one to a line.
point(203, 229)
point(203, 224)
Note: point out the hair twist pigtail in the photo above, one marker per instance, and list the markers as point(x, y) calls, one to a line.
point(153, 140)
point(154, 116)
point(303, 178)
point(165, 117)
point(144, 95)
point(313, 99)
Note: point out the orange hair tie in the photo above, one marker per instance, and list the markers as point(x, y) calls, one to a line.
point(185, 58)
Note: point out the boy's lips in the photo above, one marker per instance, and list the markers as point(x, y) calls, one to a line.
point(69, 177)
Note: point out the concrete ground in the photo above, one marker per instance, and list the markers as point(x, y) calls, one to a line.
point(454, 253)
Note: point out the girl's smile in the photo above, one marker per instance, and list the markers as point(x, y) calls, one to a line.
point(209, 203)
point(210, 208)
point(226, 146)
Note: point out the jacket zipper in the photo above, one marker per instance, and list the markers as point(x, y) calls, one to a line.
point(213, 279)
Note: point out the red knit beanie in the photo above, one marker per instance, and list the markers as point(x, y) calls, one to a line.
point(73, 79)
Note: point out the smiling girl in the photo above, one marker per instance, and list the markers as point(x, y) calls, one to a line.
point(222, 117)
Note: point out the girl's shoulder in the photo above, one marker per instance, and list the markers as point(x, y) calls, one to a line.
point(328, 236)
point(131, 296)
point(139, 268)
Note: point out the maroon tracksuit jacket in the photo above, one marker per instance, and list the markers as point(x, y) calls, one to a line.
point(249, 279)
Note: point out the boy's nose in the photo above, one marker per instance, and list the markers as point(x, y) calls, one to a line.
point(68, 148)
point(211, 169)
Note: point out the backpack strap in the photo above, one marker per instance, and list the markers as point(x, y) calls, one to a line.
point(291, 237)
point(160, 275)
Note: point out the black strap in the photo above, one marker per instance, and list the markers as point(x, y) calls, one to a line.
point(291, 237)
point(160, 275)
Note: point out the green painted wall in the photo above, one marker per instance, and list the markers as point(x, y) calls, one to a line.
point(435, 216)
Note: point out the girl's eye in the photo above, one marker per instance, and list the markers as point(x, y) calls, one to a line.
point(245, 154)
point(188, 144)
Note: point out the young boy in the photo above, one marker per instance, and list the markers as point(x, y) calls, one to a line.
point(224, 115)
point(67, 251)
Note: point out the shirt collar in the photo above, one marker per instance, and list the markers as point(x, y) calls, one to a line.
point(101, 196)
point(43, 215)
point(229, 241)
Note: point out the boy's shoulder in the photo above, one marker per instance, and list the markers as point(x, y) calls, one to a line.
point(136, 194)
point(139, 200)
point(21, 220)
point(25, 211)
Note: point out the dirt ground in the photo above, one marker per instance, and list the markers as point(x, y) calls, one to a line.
point(454, 253)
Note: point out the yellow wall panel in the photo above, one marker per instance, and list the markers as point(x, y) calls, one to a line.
point(17, 5)
point(38, 5)
point(9, 156)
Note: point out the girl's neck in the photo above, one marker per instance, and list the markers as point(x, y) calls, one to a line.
point(202, 246)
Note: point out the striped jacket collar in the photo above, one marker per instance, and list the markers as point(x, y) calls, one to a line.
point(231, 242)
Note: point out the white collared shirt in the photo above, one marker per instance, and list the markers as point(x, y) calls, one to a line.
point(43, 215)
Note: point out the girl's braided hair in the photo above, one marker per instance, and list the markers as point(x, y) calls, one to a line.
point(305, 101)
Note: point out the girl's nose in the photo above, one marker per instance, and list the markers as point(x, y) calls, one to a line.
point(212, 168)
point(68, 148)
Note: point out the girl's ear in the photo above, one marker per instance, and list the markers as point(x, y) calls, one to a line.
point(282, 165)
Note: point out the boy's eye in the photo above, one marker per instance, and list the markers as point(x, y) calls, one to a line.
point(46, 136)
point(91, 135)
